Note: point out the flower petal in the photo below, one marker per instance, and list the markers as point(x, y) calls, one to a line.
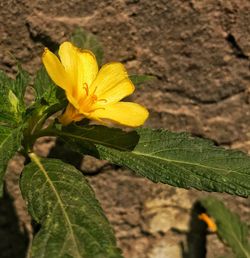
point(112, 83)
point(70, 114)
point(88, 67)
point(81, 66)
point(55, 69)
point(124, 113)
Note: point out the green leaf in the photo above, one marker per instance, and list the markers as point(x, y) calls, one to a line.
point(9, 109)
point(10, 142)
point(14, 101)
point(140, 79)
point(72, 221)
point(12, 104)
point(86, 40)
point(45, 88)
point(20, 84)
point(49, 99)
point(84, 138)
point(172, 158)
point(230, 228)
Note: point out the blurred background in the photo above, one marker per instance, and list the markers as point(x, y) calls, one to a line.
point(199, 53)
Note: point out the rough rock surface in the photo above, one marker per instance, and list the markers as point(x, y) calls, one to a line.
point(199, 52)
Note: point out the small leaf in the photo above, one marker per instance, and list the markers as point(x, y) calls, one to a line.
point(10, 142)
point(14, 101)
point(72, 221)
point(173, 158)
point(231, 229)
point(140, 79)
point(87, 40)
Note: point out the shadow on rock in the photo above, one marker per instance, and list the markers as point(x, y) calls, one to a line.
point(196, 237)
point(14, 243)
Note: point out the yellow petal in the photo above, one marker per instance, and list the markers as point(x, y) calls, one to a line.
point(87, 67)
point(80, 65)
point(124, 113)
point(70, 114)
point(55, 69)
point(112, 83)
point(209, 221)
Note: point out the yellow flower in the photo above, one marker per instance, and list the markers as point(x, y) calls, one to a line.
point(91, 93)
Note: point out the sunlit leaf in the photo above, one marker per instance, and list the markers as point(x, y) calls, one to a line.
point(12, 98)
point(72, 221)
point(231, 229)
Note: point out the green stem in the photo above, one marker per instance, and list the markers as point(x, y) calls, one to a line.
point(35, 124)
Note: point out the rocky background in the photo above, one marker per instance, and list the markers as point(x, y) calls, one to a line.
point(199, 53)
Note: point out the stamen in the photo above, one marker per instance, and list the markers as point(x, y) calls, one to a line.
point(95, 89)
point(94, 98)
point(102, 100)
point(86, 88)
point(92, 110)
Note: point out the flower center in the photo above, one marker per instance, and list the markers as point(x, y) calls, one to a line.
point(89, 102)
